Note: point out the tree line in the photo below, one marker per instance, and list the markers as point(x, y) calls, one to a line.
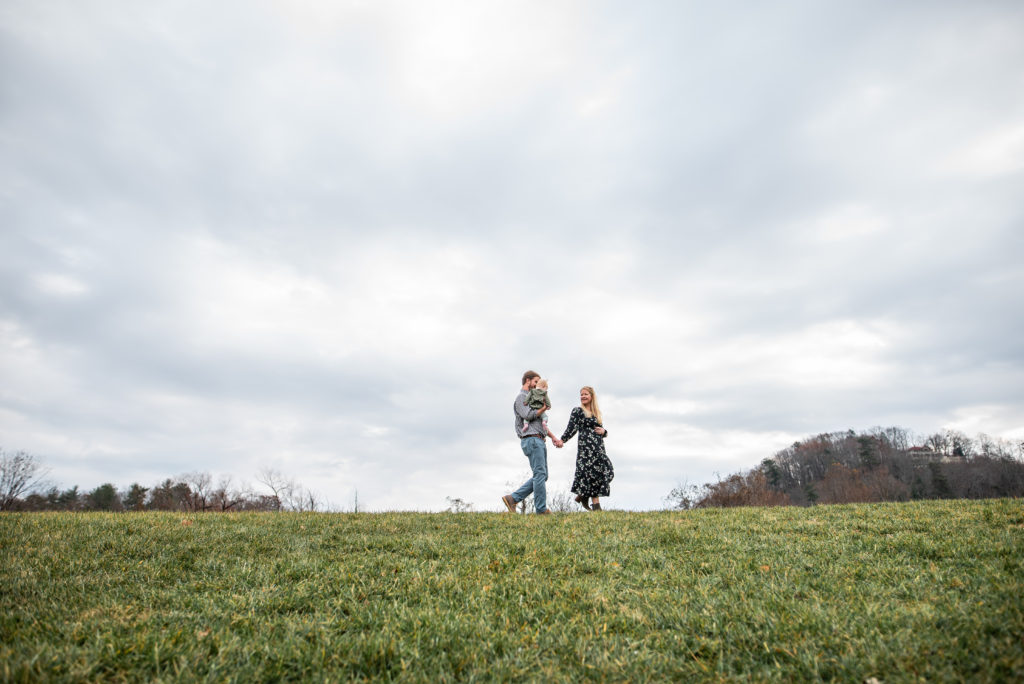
point(882, 464)
point(23, 488)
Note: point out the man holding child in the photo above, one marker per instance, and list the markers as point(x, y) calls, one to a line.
point(532, 431)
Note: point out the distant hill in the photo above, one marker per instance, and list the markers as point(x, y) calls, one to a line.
point(882, 464)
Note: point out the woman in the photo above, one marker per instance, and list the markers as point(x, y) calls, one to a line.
point(593, 469)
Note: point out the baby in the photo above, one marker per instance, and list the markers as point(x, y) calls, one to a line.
point(538, 397)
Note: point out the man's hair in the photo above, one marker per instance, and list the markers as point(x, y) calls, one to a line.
point(529, 375)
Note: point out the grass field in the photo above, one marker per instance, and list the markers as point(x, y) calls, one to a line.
point(898, 592)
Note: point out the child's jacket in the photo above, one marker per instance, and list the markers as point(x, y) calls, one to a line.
point(538, 399)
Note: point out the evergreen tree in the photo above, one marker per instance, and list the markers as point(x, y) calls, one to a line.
point(104, 498)
point(772, 472)
point(135, 497)
point(812, 496)
point(868, 452)
point(942, 488)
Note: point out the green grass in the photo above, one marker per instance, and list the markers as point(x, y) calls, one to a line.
point(895, 591)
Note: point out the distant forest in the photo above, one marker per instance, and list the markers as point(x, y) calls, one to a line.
point(883, 464)
point(22, 488)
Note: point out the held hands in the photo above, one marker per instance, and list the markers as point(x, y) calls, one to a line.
point(558, 443)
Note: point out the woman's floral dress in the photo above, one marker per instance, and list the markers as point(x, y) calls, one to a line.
point(594, 471)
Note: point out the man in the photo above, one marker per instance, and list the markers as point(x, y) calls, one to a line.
point(531, 433)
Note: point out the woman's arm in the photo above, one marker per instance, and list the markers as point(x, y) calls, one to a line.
point(573, 426)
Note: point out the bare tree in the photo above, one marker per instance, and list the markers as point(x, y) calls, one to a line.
point(201, 485)
point(939, 443)
point(684, 496)
point(962, 445)
point(280, 487)
point(224, 497)
point(898, 438)
point(19, 472)
point(304, 500)
point(561, 501)
point(287, 495)
point(458, 505)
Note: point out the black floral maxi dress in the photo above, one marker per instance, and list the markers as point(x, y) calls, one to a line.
point(594, 471)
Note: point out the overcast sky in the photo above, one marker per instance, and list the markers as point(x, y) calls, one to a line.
point(329, 237)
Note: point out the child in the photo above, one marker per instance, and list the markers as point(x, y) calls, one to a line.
point(538, 398)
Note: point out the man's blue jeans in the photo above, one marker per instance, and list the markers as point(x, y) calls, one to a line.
point(537, 451)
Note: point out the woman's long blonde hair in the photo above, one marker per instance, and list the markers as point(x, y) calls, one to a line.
point(595, 410)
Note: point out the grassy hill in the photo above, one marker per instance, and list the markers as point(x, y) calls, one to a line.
point(899, 592)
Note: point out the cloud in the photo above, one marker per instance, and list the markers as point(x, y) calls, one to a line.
point(996, 153)
point(329, 238)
